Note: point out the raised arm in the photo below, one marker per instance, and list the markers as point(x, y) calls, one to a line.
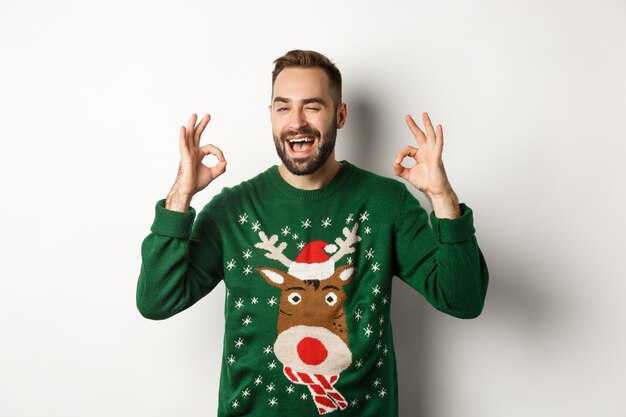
point(445, 263)
point(182, 258)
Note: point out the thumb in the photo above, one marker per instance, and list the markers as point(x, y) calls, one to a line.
point(400, 171)
point(218, 169)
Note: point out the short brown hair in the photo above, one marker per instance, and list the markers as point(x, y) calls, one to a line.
point(310, 59)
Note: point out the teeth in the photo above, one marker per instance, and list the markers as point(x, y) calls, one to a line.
point(301, 140)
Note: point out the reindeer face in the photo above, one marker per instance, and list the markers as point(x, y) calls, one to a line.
point(312, 332)
point(311, 302)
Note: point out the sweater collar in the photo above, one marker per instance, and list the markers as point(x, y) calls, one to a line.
point(311, 195)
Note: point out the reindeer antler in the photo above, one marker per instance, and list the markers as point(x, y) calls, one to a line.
point(274, 252)
point(345, 245)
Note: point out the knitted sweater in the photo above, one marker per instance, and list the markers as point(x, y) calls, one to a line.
point(308, 286)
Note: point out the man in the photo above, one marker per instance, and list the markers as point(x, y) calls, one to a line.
point(307, 251)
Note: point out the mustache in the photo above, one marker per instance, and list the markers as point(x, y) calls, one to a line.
point(305, 131)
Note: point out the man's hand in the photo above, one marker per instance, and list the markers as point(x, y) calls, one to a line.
point(428, 174)
point(193, 175)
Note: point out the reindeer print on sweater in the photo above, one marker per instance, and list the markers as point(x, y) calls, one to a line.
point(312, 342)
point(312, 266)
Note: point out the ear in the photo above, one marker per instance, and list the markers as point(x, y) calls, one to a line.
point(342, 115)
point(274, 277)
point(345, 273)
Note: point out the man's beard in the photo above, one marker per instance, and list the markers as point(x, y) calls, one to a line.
point(306, 166)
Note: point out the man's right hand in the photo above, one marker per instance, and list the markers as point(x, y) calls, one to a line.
point(193, 175)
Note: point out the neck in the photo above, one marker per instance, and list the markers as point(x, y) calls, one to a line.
point(314, 181)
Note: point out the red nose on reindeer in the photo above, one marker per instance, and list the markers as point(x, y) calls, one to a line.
point(312, 351)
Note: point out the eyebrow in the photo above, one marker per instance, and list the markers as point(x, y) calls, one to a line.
point(330, 286)
point(295, 288)
point(318, 100)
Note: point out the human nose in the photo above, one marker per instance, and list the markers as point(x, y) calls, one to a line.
point(297, 119)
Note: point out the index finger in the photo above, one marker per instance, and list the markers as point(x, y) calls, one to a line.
point(420, 137)
point(215, 151)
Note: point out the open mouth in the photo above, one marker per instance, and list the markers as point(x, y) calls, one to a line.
point(301, 145)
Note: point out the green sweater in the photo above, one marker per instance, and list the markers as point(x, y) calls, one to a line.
point(308, 286)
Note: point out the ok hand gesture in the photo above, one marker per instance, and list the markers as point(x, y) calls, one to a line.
point(193, 176)
point(428, 174)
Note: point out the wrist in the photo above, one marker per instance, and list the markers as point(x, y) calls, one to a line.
point(177, 201)
point(445, 205)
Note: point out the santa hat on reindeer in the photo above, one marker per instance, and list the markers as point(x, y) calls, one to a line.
point(313, 262)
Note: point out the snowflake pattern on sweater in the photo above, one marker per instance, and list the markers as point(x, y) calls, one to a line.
point(308, 279)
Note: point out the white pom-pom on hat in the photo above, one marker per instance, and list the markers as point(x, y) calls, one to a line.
point(331, 248)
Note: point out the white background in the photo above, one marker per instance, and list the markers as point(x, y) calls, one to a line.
point(532, 96)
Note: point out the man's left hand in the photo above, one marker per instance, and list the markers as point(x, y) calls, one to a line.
point(428, 174)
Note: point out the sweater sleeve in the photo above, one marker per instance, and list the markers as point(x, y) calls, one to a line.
point(181, 260)
point(443, 263)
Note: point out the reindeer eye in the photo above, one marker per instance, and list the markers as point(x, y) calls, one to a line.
point(331, 298)
point(294, 298)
